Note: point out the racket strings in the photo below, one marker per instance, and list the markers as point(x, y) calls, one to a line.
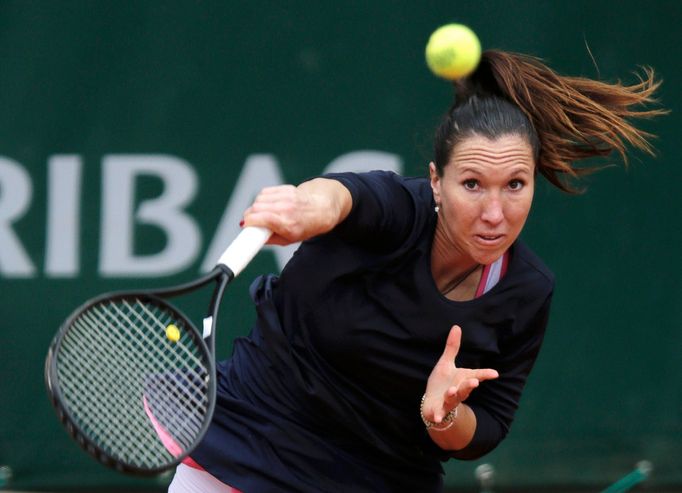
point(110, 389)
point(188, 396)
point(123, 379)
point(183, 395)
point(129, 396)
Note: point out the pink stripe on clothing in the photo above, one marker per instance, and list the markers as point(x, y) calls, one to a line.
point(484, 279)
point(492, 274)
point(168, 441)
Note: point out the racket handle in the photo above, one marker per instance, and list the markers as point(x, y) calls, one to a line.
point(243, 248)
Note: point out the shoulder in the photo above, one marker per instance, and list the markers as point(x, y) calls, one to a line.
point(383, 183)
point(529, 273)
point(529, 259)
point(388, 210)
point(419, 188)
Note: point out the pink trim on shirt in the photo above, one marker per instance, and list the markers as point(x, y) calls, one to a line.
point(505, 264)
point(492, 274)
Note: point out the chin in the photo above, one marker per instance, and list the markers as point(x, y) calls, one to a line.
point(487, 258)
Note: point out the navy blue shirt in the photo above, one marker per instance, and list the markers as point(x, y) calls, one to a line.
point(324, 394)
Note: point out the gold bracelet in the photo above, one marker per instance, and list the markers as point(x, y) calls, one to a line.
point(446, 423)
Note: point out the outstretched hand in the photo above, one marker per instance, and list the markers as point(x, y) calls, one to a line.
point(448, 386)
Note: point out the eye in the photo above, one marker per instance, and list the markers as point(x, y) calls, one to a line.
point(470, 184)
point(516, 184)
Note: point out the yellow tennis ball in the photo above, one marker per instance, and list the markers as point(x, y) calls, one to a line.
point(173, 333)
point(453, 51)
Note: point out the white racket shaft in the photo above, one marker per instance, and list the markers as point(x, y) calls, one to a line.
point(243, 248)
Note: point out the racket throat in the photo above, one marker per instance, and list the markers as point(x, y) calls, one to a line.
point(227, 271)
point(210, 320)
point(208, 326)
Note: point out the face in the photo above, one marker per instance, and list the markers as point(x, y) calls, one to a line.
point(484, 196)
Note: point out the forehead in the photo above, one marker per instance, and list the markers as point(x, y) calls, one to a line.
point(476, 150)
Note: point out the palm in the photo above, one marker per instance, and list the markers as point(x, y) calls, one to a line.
point(449, 385)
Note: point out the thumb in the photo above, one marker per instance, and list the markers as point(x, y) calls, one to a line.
point(452, 344)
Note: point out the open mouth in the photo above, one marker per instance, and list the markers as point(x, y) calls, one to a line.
point(490, 239)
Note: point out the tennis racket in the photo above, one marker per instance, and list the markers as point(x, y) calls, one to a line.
point(132, 378)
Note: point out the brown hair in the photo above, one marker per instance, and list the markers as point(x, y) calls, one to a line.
point(566, 119)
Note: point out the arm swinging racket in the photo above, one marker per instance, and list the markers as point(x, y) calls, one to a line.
point(130, 376)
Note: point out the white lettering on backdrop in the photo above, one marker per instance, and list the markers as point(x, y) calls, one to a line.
point(16, 193)
point(120, 212)
point(119, 174)
point(62, 245)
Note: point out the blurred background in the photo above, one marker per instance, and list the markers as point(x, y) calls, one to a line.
point(133, 134)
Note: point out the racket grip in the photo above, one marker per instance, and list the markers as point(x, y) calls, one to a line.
point(243, 248)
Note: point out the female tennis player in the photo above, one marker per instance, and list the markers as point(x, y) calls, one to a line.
point(403, 330)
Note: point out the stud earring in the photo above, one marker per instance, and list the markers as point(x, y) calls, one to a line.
point(437, 209)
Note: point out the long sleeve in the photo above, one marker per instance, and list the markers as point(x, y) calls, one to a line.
point(496, 401)
point(383, 210)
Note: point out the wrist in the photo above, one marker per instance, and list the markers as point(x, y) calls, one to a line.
point(329, 201)
point(445, 423)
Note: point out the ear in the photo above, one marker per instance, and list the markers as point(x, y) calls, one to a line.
point(435, 182)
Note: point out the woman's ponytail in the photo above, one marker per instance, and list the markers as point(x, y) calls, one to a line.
point(572, 118)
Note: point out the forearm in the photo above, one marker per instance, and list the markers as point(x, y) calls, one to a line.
point(330, 201)
point(460, 434)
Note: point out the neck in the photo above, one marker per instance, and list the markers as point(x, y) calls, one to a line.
point(466, 282)
point(450, 267)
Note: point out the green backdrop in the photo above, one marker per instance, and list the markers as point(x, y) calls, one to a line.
point(267, 91)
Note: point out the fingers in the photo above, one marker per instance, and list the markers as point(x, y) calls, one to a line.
point(279, 201)
point(278, 209)
point(485, 374)
point(465, 388)
point(284, 196)
point(452, 344)
point(451, 400)
point(456, 394)
point(274, 221)
point(461, 392)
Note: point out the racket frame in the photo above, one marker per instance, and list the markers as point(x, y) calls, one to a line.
point(222, 276)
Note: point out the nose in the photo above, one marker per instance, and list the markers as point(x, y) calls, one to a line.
point(492, 212)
